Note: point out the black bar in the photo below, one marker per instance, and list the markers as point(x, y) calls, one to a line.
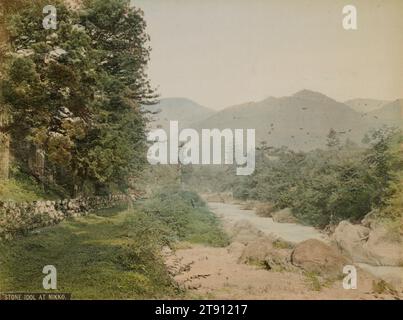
point(197, 309)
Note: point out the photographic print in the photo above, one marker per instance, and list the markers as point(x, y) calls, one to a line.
point(189, 150)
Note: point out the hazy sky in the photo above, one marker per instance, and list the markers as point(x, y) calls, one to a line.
point(225, 52)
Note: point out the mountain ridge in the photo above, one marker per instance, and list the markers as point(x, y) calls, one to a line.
point(179, 109)
point(364, 105)
point(300, 121)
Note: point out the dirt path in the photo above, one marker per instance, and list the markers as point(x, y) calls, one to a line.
point(216, 273)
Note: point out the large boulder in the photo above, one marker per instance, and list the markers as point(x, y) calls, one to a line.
point(351, 240)
point(266, 252)
point(315, 256)
point(236, 248)
point(284, 216)
point(370, 219)
point(373, 246)
point(383, 248)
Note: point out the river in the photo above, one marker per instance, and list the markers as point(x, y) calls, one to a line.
point(231, 213)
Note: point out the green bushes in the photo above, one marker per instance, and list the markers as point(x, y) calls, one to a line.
point(186, 216)
point(326, 186)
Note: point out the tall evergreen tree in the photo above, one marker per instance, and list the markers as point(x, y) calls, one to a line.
point(117, 148)
point(75, 93)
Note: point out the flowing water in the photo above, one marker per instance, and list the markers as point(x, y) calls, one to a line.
point(291, 232)
point(294, 233)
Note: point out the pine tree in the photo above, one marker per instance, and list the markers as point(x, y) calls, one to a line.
point(75, 93)
point(116, 149)
point(333, 140)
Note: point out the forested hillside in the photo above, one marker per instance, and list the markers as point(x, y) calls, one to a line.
point(73, 96)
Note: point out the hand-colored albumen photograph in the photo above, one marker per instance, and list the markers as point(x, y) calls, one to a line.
point(201, 150)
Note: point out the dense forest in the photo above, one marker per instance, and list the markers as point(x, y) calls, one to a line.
point(344, 181)
point(72, 96)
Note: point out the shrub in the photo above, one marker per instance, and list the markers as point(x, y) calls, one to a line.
point(264, 209)
point(186, 216)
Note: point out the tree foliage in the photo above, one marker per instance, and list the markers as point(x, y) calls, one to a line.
point(326, 186)
point(75, 93)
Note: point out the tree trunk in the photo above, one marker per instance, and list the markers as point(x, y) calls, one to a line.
point(4, 156)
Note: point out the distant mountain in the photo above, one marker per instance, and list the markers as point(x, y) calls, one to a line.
point(181, 109)
point(365, 105)
point(390, 114)
point(301, 121)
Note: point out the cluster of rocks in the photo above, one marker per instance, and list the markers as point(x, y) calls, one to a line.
point(19, 218)
point(372, 244)
point(267, 250)
point(273, 253)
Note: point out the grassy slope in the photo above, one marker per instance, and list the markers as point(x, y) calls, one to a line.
point(186, 215)
point(203, 229)
point(96, 257)
point(25, 189)
point(114, 254)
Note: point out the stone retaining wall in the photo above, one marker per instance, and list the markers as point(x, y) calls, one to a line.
point(19, 218)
